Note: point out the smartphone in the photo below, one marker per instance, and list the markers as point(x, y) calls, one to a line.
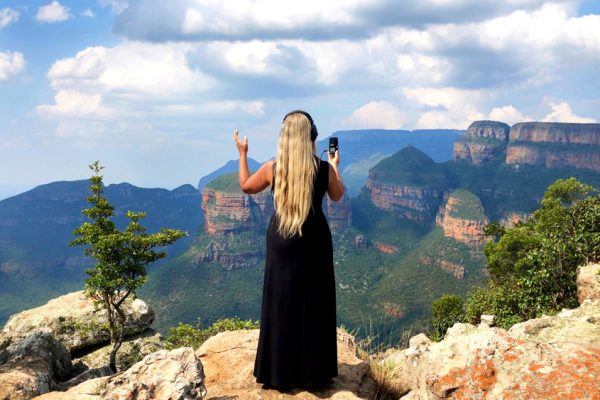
point(333, 145)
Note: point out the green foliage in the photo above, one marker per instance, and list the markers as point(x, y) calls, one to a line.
point(228, 183)
point(186, 335)
point(468, 207)
point(445, 312)
point(121, 256)
point(533, 265)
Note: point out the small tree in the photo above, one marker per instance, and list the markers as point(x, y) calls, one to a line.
point(445, 312)
point(121, 257)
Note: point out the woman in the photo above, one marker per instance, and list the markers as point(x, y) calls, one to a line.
point(297, 344)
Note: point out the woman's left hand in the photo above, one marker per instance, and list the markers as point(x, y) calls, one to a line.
point(241, 146)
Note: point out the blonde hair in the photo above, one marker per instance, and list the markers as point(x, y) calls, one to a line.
point(295, 171)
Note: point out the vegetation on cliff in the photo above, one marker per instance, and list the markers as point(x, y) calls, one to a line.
point(533, 265)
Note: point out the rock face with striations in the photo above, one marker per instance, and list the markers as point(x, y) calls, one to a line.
point(484, 141)
point(409, 184)
point(545, 358)
point(462, 218)
point(555, 145)
point(227, 210)
point(339, 213)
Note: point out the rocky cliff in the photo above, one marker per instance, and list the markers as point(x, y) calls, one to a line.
point(462, 218)
point(409, 184)
point(555, 145)
point(339, 213)
point(484, 141)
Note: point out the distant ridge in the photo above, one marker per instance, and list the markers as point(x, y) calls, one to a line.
point(229, 167)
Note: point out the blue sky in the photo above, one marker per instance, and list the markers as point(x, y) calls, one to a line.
point(154, 89)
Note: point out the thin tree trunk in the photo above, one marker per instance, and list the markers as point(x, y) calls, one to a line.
point(121, 318)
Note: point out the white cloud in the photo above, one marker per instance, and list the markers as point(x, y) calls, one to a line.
point(53, 12)
point(76, 104)
point(376, 114)
point(130, 69)
point(8, 16)
point(508, 114)
point(11, 63)
point(88, 13)
point(561, 112)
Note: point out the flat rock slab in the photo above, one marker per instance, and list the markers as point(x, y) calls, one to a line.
point(74, 321)
point(228, 360)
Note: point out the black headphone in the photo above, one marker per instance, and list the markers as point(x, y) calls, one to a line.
point(313, 128)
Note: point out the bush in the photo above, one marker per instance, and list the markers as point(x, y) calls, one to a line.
point(533, 265)
point(445, 312)
point(186, 335)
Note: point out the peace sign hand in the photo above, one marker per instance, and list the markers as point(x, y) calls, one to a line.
point(241, 146)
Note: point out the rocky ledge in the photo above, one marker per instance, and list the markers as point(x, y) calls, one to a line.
point(551, 358)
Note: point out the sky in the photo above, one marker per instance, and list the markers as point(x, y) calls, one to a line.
point(154, 89)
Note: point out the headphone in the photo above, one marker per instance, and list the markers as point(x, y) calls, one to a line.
point(313, 128)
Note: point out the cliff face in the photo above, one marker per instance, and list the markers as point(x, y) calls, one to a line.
point(230, 212)
point(339, 213)
point(462, 218)
point(412, 202)
point(555, 145)
point(484, 141)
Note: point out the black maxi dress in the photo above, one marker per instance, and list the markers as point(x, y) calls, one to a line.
point(297, 343)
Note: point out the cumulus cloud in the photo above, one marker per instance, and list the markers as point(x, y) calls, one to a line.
point(508, 114)
point(53, 12)
point(376, 114)
point(8, 16)
point(311, 20)
point(561, 112)
point(117, 6)
point(73, 103)
point(11, 63)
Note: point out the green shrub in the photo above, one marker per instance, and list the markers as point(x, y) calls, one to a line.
point(445, 312)
point(533, 265)
point(186, 335)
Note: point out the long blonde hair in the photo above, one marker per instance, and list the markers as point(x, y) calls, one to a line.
point(295, 171)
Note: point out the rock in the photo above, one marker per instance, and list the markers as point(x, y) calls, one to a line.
point(512, 218)
point(462, 218)
point(32, 366)
point(483, 142)
point(555, 145)
point(163, 375)
point(488, 319)
point(545, 358)
point(339, 213)
point(416, 203)
point(220, 352)
point(88, 390)
point(133, 349)
point(73, 320)
point(588, 283)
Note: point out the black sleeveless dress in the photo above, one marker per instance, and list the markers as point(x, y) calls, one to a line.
point(297, 344)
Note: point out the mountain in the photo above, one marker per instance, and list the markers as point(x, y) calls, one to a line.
point(36, 227)
point(229, 167)
point(362, 149)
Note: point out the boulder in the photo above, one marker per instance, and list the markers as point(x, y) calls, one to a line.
point(545, 358)
point(32, 366)
point(163, 375)
point(133, 349)
point(588, 282)
point(75, 322)
point(238, 348)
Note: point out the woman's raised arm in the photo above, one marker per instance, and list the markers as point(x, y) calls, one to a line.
point(257, 182)
point(335, 189)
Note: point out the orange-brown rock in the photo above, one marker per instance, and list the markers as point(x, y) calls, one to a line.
point(588, 282)
point(555, 145)
point(339, 213)
point(386, 248)
point(228, 360)
point(462, 218)
point(551, 358)
point(415, 203)
point(229, 212)
point(457, 270)
point(484, 141)
point(511, 218)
